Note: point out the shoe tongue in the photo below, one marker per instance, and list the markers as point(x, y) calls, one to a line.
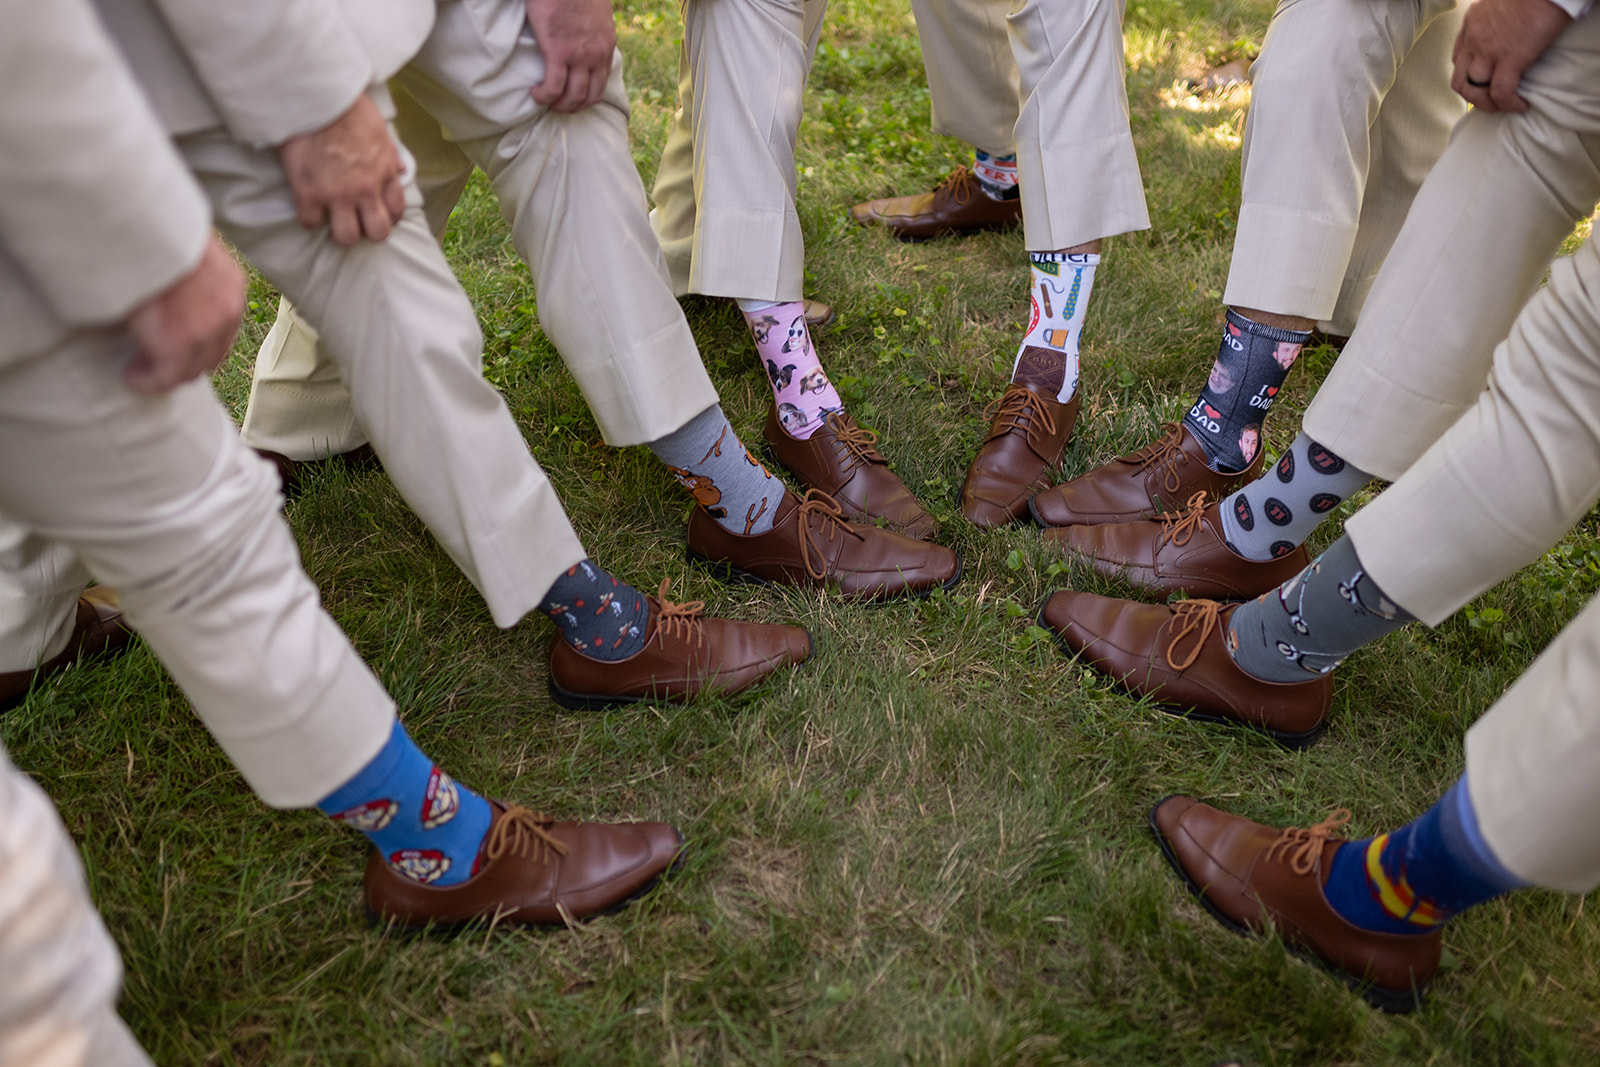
point(1041, 369)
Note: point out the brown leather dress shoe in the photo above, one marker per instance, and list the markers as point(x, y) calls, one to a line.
point(1178, 553)
point(843, 460)
point(292, 473)
point(97, 630)
point(1174, 654)
point(1028, 433)
point(819, 316)
point(1141, 485)
point(532, 870)
point(685, 654)
point(1247, 875)
point(811, 545)
point(957, 205)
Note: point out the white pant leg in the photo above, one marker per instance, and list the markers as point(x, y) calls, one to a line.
point(742, 75)
point(1479, 237)
point(58, 1002)
point(160, 500)
point(405, 340)
point(1076, 164)
point(972, 75)
point(1312, 141)
point(1407, 138)
point(725, 189)
point(569, 189)
point(1531, 765)
point(1513, 474)
point(39, 586)
point(299, 406)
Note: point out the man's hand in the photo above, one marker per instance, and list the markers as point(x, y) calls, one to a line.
point(577, 38)
point(1500, 39)
point(347, 174)
point(188, 329)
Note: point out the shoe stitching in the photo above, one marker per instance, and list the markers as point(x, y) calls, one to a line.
point(860, 444)
point(1017, 404)
point(519, 830)
point(1300, 847)
point(1191, 617)
point(679, 620)
point(1178, 527)
point(825, 509)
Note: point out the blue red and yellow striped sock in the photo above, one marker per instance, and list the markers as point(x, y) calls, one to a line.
point(1412, 880)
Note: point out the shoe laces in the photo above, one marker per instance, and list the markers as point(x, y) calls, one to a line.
point(1300, 846)
point(860, 444)
point(1191, 617)
point(1019, 408)
point(1166, 450)
point(679, 620)
point(520, 830)
point(1178, 527)
point(830, 518)
point(960, 184)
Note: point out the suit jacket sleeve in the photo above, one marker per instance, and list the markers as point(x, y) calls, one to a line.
point(97, 211)
point(273, 68)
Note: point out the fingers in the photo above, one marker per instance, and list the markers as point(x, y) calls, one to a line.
point(344, 224)
point(553, 88)
point(572, 87)
point(394, 196)
point(142, 375)
point(375, 219)
point(1503, 89)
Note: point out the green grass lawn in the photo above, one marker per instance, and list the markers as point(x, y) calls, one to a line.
point(929, 844)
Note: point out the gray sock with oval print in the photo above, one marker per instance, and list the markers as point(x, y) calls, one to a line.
point(1270, 516)
point(1309, 624)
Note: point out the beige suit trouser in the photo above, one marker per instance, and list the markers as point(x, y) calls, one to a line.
point(160, 500)
point(58, 1003)
point(1076, 164)
point(1350, 107)
point(1480, 235)
point(725, 188)
point(973, 82)
point(158, 497)
point(572, 197)
point(408, 344)
point(1502, 485)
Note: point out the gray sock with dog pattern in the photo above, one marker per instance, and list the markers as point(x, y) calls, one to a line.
point(710, 461)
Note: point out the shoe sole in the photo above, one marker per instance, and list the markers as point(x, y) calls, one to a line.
point(418, 929)
point(1382, 999)
point(1293, 741)
point(727, 572)
point(601, 701)
point(917, 239)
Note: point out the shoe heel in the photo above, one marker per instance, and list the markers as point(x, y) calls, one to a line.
point(578, 702)
point(723, 570)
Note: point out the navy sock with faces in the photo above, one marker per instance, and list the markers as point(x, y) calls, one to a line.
point(1252, 362)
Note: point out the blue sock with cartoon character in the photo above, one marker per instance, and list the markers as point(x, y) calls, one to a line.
point(600, 616)
point(710, 461)
point(425, 826)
